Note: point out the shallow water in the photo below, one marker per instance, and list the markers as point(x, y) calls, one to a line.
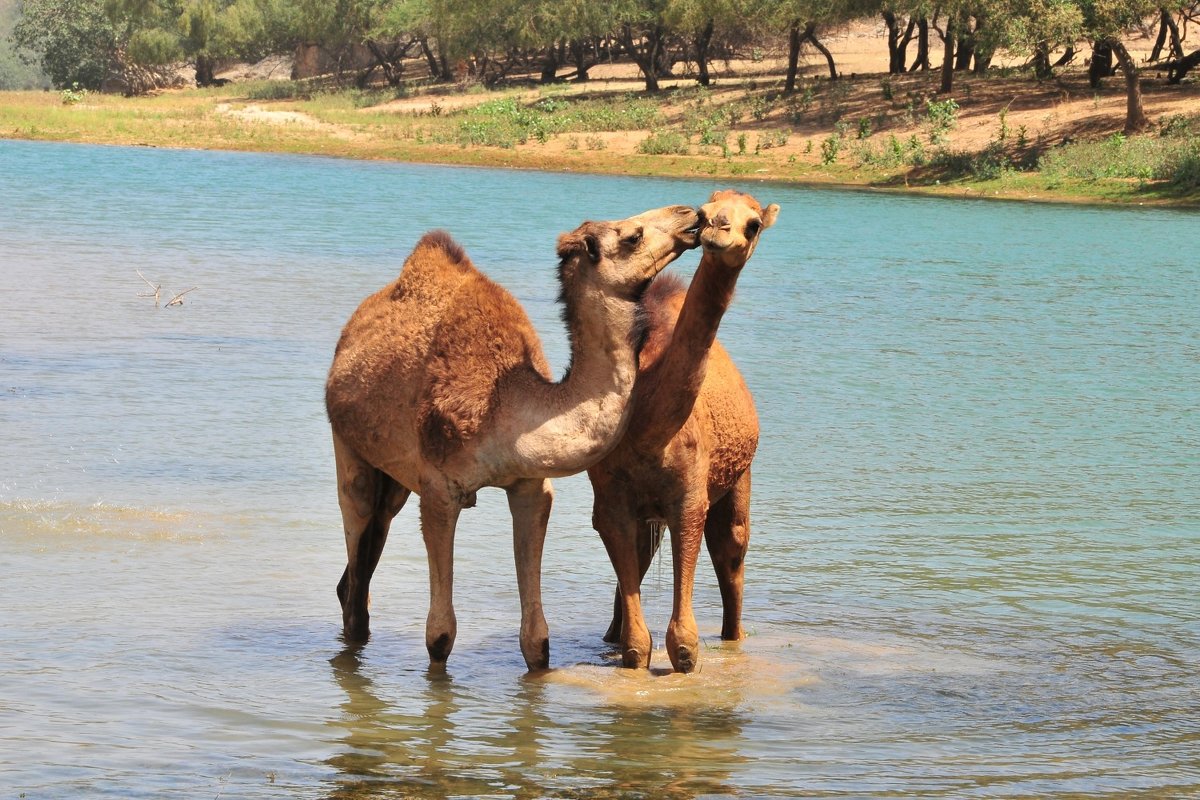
point(975, 523)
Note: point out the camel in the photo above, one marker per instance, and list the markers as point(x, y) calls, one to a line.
point(685, 457)
point(439, 386)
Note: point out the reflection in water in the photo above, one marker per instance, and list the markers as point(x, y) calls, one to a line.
point(549, 734)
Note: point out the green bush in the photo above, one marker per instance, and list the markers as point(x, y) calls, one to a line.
point(278, 90)
point(664, 143)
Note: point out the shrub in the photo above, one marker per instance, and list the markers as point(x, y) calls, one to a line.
point(663, 143)
point(278, 90)
point(941, 116)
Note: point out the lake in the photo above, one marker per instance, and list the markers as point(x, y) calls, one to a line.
point(975, 529)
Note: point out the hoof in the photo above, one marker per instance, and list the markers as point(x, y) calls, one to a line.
point(439, 648)
point(685, 660)
point(635, 659)
point(356, 630)
point(541, 659)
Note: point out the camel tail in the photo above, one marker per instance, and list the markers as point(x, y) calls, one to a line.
point(440, 240)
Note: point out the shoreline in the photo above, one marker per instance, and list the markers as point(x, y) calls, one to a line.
point(231, 119)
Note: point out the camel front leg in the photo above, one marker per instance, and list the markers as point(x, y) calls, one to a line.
point(369, 500)
point(529, 502)
point(687, 530)
point(727, 535)
point(439, 517)
point(617, 526)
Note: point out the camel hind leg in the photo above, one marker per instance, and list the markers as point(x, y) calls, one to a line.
point(727, 535)
point(369, 500)
point(649, 537)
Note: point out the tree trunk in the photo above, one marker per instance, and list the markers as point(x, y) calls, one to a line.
point(1101, 66)
point(893, 40)
point(1135, 116)
point(645, 55)
point(922, 59)
point(579, 53)
point(1066, 58)
point(204, 70)
point(1167, 26)
point(438, 68)
point(948, 55)
point(703, 39)
point(810, 33)
point(1041, 61)
point(549, 65)
point(793, 57)
point(1180, 67)
point(966, 47)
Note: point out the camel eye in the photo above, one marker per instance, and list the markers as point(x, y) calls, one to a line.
point(633, 238)
point(752, 228)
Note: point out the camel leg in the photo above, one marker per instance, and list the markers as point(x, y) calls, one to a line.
point(617, 527)
point(687, 529)
point(727, 535)
point(439, 517)
point(529, 501)
point(647, 547)
point(369, 500)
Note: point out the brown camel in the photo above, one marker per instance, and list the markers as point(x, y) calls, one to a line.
point(685, 457)
point(439, 387)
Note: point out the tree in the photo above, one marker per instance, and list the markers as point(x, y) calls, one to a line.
point(73, 40)
point(1106, 21)
point(16, 72)
point(643, 35)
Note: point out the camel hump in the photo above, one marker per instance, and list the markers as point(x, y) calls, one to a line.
point(663, 300)
point(441, 240)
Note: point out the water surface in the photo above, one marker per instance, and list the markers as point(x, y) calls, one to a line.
point(975, 522)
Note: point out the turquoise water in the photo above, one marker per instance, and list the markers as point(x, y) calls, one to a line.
point(976, 516)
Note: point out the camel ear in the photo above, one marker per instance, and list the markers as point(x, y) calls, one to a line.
point(577, 241)
point(593, 247)
point(769, 214)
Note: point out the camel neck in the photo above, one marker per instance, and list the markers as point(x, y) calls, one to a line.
point(568, 426)
point(669, 390)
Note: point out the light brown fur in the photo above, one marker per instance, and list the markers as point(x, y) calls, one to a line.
point(685, 457)
point(439, 387)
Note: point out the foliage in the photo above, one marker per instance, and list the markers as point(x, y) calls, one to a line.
point(73, 94)
point(664, 143)
point(16, 72)
point(73, 39)
point(1172, 158)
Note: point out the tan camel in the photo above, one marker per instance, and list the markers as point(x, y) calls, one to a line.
point(685, 457)
point(439, 387)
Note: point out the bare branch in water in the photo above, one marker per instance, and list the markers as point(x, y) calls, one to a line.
point(156, 288)
point(177, 300)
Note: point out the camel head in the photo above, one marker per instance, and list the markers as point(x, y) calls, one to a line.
point(730, 224)
point(619, 259)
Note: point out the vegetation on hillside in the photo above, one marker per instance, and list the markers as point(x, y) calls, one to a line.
point(945, 60)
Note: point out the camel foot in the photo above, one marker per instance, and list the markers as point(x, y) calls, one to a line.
point(635, 659)
point(537, 657)
point(685, 659)
point(356, 628)
point(439, 649)
point(732, 633)
point(613, 634)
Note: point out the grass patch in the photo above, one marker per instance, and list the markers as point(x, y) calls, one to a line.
point(664, 143)
point(1173, 159)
